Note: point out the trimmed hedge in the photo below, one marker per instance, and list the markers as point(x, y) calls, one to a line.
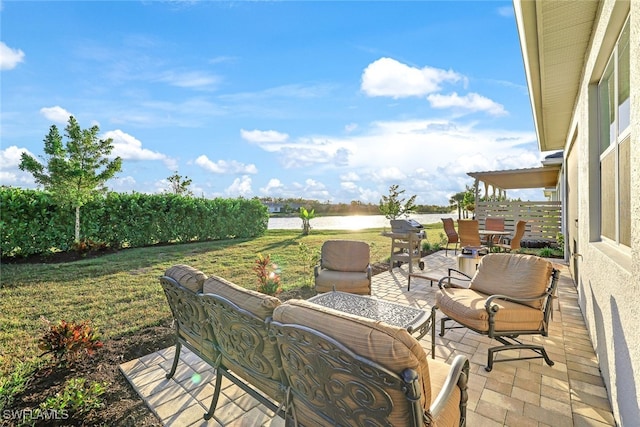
point(31, 224)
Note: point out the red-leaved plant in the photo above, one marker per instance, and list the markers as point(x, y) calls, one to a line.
point(268, 278)
point(68, 341)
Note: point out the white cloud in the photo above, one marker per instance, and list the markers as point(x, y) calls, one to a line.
point(240, 187)
point(222, 166)
point(9, 57)
point(308, 151)
point(430, 158)
point(56, 114)
point(190, 79)
point(274, 186)
point(350, 127)
point(350, 176)
point(505, 11)
point(10, 157)
point(129, 148)
point(312, 189)
point(471, 102)
point(222, 59)
point(263, 136)
point(389, 174)
point(388, 77)
point(10, 172)
point(294, 91)
point(122, 183)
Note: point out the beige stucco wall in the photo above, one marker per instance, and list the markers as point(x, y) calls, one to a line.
point(609, 279)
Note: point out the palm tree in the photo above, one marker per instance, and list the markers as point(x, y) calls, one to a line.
point(306, 217)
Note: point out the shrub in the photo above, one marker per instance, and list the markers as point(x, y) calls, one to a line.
point(78, 397)
point(545, 253)
point(14, 383)
point(85, 246)
point(308, 258)
point(68, 341)
point(268, 278)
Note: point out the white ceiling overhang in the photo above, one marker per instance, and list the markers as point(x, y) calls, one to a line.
point(554, 38)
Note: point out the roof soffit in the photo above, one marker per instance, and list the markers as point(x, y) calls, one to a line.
point(555, 37)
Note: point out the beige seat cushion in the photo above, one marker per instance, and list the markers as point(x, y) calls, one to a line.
point(519, 276)
point(352, 282)
point(257, 303)
point(187, 276)
point(390, 346)
point(466, 306)
point(345, 255)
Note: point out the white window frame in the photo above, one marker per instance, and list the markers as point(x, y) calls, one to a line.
point(621, 136)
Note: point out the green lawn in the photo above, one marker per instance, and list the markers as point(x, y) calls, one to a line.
point(120, 293)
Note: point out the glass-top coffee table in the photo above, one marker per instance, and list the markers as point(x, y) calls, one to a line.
point(416, 321)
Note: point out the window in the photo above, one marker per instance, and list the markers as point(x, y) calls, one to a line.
point(615, 144)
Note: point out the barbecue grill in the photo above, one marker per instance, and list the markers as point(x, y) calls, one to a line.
point(406, 226)
point(406, 237)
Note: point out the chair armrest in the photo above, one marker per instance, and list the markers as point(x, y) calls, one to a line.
point(316, 270)
point(458, 376)
point(369, 271)
point(445, 282)
point(490, 306)
point(453, 270)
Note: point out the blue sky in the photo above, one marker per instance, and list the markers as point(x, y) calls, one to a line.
point(321, 100)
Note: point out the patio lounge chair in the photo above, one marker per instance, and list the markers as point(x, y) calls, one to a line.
point(509, 295)
point(344, 266)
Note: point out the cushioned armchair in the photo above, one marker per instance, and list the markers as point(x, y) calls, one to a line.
point(344, 266)
point(509, 295)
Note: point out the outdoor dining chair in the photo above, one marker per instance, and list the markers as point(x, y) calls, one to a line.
point(469, 233)
point(513, 243)
point(494, 223)
point(452, 235)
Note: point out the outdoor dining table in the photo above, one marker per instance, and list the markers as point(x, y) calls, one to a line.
point(490, 234)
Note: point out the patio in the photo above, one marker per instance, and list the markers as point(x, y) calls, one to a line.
point(522, 393)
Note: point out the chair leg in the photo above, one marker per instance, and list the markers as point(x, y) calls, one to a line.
point(443, 327)
point(538, 349)
point(216, 395)
point(176, 358)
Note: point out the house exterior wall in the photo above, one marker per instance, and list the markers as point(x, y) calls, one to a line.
point(608, 278)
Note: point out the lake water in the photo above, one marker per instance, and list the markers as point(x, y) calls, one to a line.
point(353, 222)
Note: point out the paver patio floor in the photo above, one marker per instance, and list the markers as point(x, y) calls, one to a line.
point(521, 393)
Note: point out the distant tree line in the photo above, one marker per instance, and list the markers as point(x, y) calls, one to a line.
point(291, 207)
